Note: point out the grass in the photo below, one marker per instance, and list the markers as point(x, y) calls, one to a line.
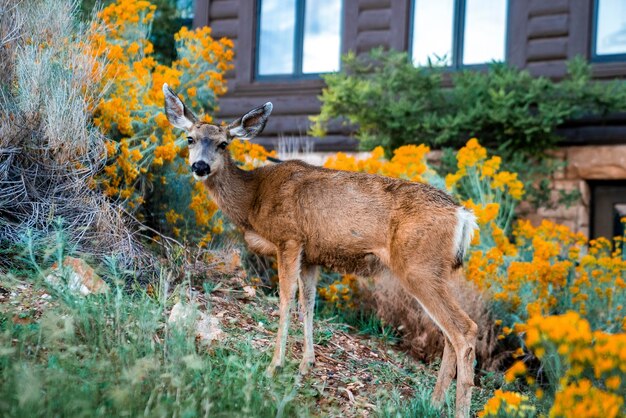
point(418, 406)
point(117, 355)
point(362, 321)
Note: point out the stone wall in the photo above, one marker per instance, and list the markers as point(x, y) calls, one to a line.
point(584, 164)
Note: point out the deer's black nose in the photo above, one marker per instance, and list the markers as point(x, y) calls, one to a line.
point(200, 168)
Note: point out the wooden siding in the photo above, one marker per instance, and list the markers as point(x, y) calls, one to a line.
point(546, 34)
point(542, 36)
point(366, 24)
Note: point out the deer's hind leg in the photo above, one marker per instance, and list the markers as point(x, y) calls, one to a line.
point(447, 372)
point(428, 284)
point(306, 291)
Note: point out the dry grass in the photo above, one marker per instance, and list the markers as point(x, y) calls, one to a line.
point(49, 152)
point(420, 334)
point(11, 22)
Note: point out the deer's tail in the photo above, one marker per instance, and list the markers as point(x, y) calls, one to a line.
point(463, 234)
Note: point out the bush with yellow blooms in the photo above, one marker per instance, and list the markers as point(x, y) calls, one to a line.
point(584, 370)
point(147, 168)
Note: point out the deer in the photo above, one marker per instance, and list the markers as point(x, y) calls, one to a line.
point(370, 225)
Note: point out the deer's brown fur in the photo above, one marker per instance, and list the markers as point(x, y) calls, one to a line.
point(307, 216)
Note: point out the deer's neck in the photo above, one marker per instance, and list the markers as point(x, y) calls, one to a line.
point(233, 189)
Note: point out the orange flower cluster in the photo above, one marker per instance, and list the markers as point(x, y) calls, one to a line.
point(342, 292)
point(509, 404)
point(592, 365)
point(204, 208)
point(249, 155)
point(595, 355)
point(474, 168)
point(583, 400)
point(546, 273)
point(408, 162)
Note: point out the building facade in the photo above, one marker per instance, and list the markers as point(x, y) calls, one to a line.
point(283, 45)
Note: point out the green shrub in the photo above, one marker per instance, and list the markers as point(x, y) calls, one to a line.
point(392, 103)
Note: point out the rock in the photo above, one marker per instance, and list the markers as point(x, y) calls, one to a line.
point(181, 313)
point(607, 162)
point(250, 291)
point(206, 327)
point(81, 278)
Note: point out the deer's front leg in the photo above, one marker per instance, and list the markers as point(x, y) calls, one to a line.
point(289, 258)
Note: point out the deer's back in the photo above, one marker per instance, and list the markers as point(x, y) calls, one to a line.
point(345, 220)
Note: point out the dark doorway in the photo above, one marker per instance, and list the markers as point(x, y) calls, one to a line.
point(608, 206)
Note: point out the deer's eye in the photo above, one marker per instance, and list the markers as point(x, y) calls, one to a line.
point(189, 140)
point(223, 145)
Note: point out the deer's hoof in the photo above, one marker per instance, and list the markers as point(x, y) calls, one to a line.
point(306, 366)
point(272, 369)
point(437, 399)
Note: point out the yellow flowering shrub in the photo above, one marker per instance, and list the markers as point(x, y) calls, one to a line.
point(535, 269)
point(582, 400)
point(585, 369)
point(583, 346)
point(145, 157)
point(131, 109)
point(547, 273)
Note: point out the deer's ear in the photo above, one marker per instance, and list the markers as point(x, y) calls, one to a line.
point(176, 111)
point(251, 124)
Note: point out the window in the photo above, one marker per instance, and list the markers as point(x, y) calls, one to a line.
point(608, 207)
point(298, 38)
point(456, 33)
point(609, 28)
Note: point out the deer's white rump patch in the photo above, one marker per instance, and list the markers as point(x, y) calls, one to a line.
point(463, 232)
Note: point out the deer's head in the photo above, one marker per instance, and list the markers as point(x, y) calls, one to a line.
point(208, 142)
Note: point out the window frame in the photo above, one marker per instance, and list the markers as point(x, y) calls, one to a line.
point(458, 36)
point(593, 55)
point(298, 45)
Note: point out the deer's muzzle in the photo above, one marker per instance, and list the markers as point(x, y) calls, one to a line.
point(200, 168)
